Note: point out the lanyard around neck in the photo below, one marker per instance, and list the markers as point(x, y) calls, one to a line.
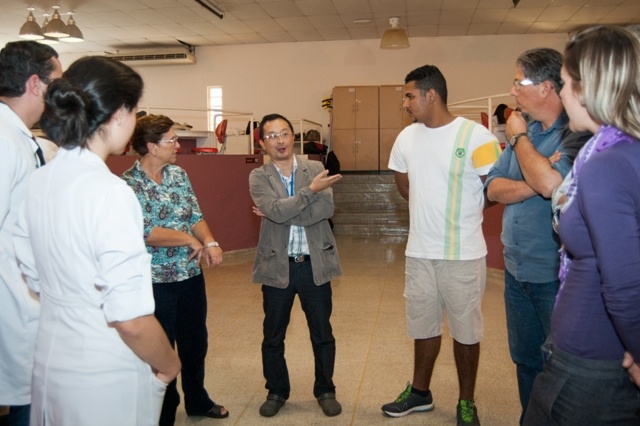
point(289, 183)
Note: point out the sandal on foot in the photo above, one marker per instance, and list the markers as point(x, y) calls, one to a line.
point(216, 412)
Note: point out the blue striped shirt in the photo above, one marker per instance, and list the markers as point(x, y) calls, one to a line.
point(297, 236)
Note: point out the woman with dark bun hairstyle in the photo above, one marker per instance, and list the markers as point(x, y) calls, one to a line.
point(101, 356)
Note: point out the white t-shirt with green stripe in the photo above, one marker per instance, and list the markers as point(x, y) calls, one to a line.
point(445, 191)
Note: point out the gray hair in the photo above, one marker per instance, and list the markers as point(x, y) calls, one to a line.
point(542, 64)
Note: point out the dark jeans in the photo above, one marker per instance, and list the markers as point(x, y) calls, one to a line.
point(181, 309)
point(317, 305)
point(528, 307)
point(574, 391)
point(18, 415)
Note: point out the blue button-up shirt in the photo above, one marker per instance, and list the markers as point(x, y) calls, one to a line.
point(530, 244)
point(297, 237)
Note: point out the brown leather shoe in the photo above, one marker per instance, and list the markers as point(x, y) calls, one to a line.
point(330, 407)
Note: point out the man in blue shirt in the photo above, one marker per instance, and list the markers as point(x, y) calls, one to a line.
point(523, 179)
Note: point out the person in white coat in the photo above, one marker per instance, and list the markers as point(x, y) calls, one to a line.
point(101, 357)
point(26, 69)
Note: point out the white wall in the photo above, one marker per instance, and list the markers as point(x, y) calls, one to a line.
point(293, 78)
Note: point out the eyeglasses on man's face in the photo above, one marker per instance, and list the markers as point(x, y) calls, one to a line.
point(274, 136)
point(517, 84)
point(171, 141)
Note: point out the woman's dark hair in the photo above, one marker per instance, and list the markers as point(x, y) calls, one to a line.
point(19, 60)
point(86, 97)
point(149, 128)
point(499, 113)
point(272, 117)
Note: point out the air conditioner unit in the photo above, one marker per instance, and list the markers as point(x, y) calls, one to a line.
point(174, 56)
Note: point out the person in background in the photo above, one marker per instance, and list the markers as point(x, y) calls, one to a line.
point(179, 240)
point(101, 356)
point(499, 114)
point(523, 179)
point(499, 123)
point(440, 164)
point(595, 325)
point(296, 254)
point(26, 70)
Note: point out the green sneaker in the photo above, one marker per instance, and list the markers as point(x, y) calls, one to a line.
point(467, 414)
point(407, 403)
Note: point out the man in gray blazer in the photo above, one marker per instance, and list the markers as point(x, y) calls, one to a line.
point(296, 254)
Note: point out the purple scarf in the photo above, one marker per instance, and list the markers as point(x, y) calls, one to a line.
point(605, 137)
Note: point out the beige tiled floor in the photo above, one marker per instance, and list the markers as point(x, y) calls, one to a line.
point(374, 355)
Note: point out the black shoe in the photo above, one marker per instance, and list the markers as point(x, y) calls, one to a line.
point(272, 405)
point(407, 403)
point(216, 412)
point(467, 413)
point(330, 407)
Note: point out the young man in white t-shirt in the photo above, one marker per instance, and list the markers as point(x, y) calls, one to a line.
point(440, 164)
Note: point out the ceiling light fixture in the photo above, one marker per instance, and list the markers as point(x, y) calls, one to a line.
point(75, 35)
point(211, 7)
point(31, 30)
point(56, 27)
point(47, 40)
point(395, 37)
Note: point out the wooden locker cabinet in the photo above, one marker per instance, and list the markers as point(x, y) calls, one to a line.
point(393, 118)
point(355, 127)
point(356, 149)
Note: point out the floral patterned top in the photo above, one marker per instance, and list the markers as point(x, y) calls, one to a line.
point(171, 205)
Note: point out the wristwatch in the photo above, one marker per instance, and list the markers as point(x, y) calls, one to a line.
point(212, 244)
point(515, 138)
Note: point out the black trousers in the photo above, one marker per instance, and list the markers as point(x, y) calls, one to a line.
point(181, 309)
point(317, 305)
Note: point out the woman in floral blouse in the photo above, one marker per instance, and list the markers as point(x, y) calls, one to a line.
point(179, 240)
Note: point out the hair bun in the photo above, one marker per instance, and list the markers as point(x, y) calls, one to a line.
point(66, 116)
point(87, 96)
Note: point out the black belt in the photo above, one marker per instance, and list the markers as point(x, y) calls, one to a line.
point(300, 259)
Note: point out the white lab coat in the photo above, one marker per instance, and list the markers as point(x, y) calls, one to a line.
point(19, 309)
point(79, 241)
